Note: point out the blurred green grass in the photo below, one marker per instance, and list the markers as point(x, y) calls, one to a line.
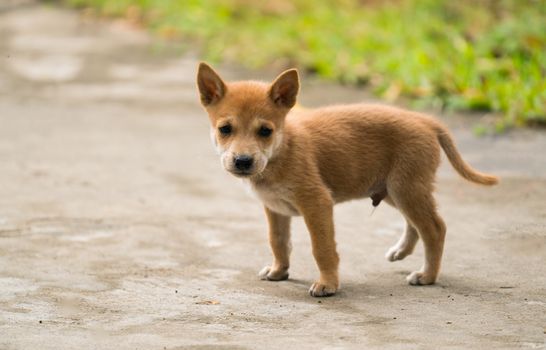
point(487, 55)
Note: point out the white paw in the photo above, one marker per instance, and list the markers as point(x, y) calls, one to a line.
point(322, 290)
point(273, 275)
point(397, 253)
point(418, 278)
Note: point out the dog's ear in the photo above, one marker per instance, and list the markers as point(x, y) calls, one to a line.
point(285, 88)
point(211, 86)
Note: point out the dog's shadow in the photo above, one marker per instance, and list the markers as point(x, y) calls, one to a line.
point(383, 287)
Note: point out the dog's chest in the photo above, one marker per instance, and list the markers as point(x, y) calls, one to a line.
point(276, 198)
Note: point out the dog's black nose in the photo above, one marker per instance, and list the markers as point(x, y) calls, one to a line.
point(243, 162)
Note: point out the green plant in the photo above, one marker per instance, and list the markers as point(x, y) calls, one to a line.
point(470, 55)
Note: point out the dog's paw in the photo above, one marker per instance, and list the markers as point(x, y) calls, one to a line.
point(273, 275)
point(418, 278)
point(319, 289)
point(397, 253)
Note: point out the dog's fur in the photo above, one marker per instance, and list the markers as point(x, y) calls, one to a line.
point(310, 160)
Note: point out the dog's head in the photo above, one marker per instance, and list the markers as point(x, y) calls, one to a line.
point(247, 118)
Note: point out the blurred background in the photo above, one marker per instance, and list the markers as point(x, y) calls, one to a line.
point(477, 55)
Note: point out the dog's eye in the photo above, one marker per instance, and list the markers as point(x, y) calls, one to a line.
point(265, 131)
point(225, 130)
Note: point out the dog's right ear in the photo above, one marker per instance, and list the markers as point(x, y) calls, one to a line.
point(211, 86)
point(284, 90)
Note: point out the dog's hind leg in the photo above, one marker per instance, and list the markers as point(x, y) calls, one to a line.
point(406, 243)
point(419, 208)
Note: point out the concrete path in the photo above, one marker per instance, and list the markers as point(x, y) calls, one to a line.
point(119, 229)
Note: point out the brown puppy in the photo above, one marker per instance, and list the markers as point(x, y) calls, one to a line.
point(302, 162)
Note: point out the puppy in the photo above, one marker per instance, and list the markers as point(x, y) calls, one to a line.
point(302, 162)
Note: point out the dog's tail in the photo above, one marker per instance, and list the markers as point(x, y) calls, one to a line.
point(457, 161)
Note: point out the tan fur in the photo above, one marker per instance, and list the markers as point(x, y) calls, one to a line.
point(316, 158)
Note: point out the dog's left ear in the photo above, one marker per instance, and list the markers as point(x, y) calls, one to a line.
point(285, 88)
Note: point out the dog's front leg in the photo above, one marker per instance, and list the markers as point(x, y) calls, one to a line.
point(279, 239)
point(318, 215)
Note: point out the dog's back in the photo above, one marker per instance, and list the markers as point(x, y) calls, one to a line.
point(358, 145)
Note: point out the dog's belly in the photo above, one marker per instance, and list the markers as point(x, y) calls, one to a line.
point(276, 199)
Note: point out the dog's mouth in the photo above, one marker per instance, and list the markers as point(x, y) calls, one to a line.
point(241, 173)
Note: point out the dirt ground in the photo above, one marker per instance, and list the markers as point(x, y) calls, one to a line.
point(120, 230)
